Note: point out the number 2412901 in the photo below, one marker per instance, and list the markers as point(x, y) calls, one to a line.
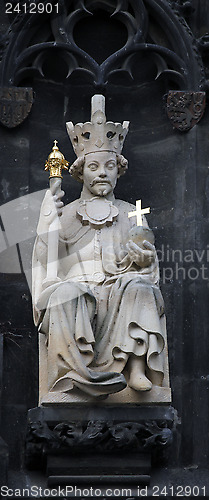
point(32, 8)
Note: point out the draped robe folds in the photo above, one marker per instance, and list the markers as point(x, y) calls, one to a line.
point(94, 321)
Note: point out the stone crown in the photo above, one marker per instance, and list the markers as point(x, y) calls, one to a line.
point(98, 134)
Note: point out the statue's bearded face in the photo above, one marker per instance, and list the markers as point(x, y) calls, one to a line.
point(100, 172)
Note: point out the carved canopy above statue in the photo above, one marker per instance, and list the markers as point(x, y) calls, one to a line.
point(149, 40)
point(167, 41)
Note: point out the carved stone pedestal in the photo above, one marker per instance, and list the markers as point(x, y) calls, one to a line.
point(99, 445)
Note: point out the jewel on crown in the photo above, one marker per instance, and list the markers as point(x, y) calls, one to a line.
point(98, 134)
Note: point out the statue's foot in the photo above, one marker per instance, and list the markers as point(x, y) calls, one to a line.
point(140, 383)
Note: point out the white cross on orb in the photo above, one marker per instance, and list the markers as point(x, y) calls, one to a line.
point(138, 212)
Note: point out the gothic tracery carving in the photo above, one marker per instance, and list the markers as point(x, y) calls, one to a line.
point(168, 44)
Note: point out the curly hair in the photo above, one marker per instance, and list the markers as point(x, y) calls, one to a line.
point(76, 169)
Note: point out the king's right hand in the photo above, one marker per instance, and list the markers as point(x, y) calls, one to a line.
point(52, 205)
point(51, 208)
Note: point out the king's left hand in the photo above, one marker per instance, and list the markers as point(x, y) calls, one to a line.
point(143, 257)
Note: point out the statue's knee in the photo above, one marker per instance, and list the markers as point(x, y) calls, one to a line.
point(63, 293)
point(137, 286)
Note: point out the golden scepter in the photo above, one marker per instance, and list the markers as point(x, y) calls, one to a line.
point(55, 164)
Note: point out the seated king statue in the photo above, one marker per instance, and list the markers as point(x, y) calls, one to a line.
point(101, 320)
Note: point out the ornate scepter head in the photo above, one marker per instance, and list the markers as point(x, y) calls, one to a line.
point(56, 163)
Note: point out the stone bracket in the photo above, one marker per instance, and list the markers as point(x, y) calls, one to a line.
point(92, 441)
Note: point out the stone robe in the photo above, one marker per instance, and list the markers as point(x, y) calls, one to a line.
point(88, 316)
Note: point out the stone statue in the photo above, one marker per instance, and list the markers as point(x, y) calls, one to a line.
point(101, 318)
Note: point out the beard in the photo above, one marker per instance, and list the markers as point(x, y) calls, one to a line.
point(103, 191)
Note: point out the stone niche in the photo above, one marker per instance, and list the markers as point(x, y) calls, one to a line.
point(66, 63)
point(101, 320)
